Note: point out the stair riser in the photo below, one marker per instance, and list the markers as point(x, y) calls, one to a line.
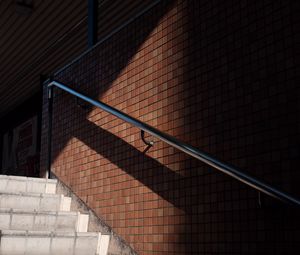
point(47, 222)
point(38, 203)
point(36, 221)
point(27, 185)
point(46, 245)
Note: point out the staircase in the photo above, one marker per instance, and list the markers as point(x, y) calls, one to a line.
point(34, 220)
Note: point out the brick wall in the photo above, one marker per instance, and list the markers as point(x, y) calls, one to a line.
point(220, 75)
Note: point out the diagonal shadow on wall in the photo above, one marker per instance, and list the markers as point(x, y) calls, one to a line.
point(156, 176)
point(104, 63)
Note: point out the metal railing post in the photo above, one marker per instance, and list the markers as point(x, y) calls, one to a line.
point(50, 111)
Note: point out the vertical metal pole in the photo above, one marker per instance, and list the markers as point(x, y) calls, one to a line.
point(50, 107)
point(92, 22)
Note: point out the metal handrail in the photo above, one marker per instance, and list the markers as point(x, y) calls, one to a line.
point(182, 146)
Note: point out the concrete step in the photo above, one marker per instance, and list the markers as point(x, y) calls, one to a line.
point(13, 219)
point(45, 243)
point(26, 184)
point(35, 201)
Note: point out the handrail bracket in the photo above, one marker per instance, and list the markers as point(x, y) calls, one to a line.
point(148, 143)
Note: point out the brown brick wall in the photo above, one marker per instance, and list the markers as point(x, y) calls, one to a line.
point(220, 75)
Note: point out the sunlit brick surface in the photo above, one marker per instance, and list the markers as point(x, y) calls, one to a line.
point(220, 75)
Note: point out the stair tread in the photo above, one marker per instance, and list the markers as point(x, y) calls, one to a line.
point(51, 242)
point(24, 178)
point(20, 219)
point(28, 211)
point(37, 201)
point(39, 220)
point(47, 233)
point(32, 194)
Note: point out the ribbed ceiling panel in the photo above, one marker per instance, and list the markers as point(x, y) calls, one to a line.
point(39, 43)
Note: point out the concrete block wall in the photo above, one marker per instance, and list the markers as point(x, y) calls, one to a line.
point(220, 75)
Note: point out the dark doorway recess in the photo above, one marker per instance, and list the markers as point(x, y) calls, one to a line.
point(20, 138)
